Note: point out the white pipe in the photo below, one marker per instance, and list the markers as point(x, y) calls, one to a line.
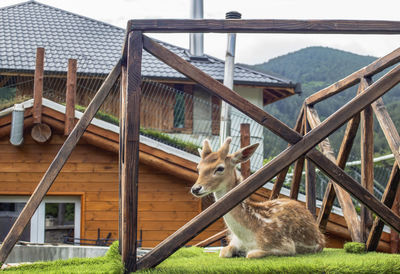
point(196, 40)
point(17, 125)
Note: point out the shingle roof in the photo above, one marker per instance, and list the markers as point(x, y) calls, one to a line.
point(96, 45)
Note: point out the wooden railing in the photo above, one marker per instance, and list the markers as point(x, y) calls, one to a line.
point(308, 133)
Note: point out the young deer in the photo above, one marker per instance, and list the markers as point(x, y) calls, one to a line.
point(258, 229)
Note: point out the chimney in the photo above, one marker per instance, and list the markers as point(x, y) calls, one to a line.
point(196, 48)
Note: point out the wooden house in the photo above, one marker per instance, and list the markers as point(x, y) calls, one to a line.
point(89, 180)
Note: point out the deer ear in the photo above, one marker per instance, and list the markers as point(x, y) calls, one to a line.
point(206, 149)
point(244, 154)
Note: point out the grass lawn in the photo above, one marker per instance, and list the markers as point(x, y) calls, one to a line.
point(195, 260)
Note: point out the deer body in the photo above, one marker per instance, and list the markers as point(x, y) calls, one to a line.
point(258, 229)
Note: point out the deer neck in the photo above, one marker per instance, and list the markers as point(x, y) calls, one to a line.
point(229, 186)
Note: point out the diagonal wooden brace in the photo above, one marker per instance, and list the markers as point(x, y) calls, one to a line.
point(287, 157)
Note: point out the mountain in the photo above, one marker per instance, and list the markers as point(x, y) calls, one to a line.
point(316, 68)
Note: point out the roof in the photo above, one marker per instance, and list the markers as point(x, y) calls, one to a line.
point(95, 44)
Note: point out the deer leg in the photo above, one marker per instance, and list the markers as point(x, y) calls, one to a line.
point(228, 251)
point(286, 248)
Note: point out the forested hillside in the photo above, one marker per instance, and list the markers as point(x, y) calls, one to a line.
point(316, 68)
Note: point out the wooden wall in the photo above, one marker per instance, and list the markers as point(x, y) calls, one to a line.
point(165, 203)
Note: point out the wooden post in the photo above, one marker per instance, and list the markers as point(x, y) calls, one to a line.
point(345, 201)
point(388, 198)
point(311, 199)
point(38, 86)
point(56, 165)
point(367, 161)
point(245, 141)
point(70, 97)
point(122, 120)
point(130, 148)
point(394, 236)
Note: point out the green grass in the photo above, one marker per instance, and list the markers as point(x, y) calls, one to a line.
point(195, 260)
point(354, 247)
point(110, 263)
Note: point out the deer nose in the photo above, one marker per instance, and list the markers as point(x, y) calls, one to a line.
point(196, 189)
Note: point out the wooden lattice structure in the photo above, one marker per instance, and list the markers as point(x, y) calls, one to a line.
point(308, 133)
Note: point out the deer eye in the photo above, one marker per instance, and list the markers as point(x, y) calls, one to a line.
point(219, 169)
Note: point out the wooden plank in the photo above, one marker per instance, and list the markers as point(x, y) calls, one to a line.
point(57, 164)
point(245, 141)
point(311, 199)
point(267, 26)
point(130, 148)
point(276, 189)
point(251, 184)
point(388, 198)
point(345, 201)
point(213, 238)
point(368, 71)
point(394, 236)
point(221, 91)
point(38, 86)
point(367, 161)
point(70, 97)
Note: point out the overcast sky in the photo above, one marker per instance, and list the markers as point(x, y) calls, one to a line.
point(251, 48)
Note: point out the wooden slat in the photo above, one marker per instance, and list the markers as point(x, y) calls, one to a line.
point(367, 161)
point(387, 199)
point(345, 201)
point(57, 164)
point(245, 141)
point(311, 199)
point(276, 189)
point(284, 159)
point(130, 148)
point(394, 236)
point(38, 86)
point(267, 26)
point(70, 96)
point(213, 238)
point(368, 71)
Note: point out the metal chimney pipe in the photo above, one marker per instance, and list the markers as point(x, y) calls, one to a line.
point(196, 46)
point(17, 125)
point(225, 125)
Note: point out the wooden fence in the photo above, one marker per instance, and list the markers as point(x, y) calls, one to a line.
point(308, 133)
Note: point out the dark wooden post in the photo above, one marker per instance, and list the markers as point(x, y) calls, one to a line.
point(38, 86)
point(130, 147)
point(394, 236)
point(311, 200)
point(70, 97)
point(367, 161)
point(245, 141)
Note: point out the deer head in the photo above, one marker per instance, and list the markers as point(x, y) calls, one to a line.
point(217, 170)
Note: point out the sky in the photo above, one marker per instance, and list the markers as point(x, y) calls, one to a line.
point(251, 48)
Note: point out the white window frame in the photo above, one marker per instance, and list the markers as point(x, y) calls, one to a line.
point(39, 218)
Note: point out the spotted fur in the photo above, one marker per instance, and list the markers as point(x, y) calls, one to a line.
point(257, 229)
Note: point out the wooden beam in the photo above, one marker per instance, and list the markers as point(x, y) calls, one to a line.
point(57, 164)
point(276, 189)
point(345, 201)
point(394, 236)
point(267, 26)
point(130, 148)
point(388, 198)
point(284, 159)
point(221, 91)
point(121, 151)
point(367, 161)
point(218, 236)
point(38, 86)
point(245, 141)
point(70, 97)
point(311, 199)
point(349, 81)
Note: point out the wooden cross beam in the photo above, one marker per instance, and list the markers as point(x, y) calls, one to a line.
point(300, 147)
point(266, 26)
point(57, 164)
